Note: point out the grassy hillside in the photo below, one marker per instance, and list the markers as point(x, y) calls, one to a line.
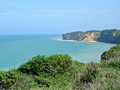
point(60, 72)
point(111, 54)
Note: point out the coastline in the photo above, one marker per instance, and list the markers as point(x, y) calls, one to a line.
point(73, 40)
point(60, 39)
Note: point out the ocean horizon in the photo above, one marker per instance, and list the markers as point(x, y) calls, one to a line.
point(18, 49)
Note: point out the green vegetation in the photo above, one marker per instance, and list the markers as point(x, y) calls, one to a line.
point(73, 36)
point(111, 54)
point(110, 36)
point(50, 66)
point(107, 36)
point(41, 72)
point(60, 72)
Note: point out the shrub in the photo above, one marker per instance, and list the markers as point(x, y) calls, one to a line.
point(89, 73)
point(42, 82)
point(60, 63)
point(87, 76)
point(111, 64)
point(5, 81)
point(110, 74)
point(13, 80)
point(33, 66)
point(47, 66)
point(111, 54)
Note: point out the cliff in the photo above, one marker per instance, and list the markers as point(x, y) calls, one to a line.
point(107, 36)
point(82, 36)
point(110, 36)
point(73, 36)
point(90, 36)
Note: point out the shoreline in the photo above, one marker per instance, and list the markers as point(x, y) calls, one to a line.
point(73, 40)
point(82, 41)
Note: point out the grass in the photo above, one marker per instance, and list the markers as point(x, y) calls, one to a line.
point(75, 76)
point(98, 77)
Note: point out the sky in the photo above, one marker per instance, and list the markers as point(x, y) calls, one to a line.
point(58, 16)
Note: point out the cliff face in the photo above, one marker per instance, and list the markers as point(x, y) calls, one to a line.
point(81, 36)
point(73, 36)
point(90, 36)
point(107, 36)
point(110, 36)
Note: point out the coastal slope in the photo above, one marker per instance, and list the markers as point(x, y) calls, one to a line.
point(107, 36)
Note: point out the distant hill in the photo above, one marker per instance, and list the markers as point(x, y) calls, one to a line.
point(107, 36)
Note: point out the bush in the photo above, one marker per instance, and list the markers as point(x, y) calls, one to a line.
point(36, 66)
point(111, 54)
point(13, 80)
point(60, 63)
point(5, 81)
point(111, 58)
point(42, 82)
point(87, 76)
point(89, 73)
point(111, 64)
point(115, 64)
point(47, 66)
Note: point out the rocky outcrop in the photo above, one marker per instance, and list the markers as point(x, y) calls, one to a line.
point(73, 36)
point(107, 36)
point(110, 36)
point(89, 37)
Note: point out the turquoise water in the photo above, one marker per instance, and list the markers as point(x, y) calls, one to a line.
point(17, 49)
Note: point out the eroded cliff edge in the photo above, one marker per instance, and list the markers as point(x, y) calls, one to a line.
point(107, 36)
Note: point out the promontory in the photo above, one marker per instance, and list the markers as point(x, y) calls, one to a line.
point(106, 36)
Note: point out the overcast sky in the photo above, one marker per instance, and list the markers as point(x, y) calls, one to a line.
point(57, 16)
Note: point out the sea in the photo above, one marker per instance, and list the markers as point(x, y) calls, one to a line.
point(18, 49)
